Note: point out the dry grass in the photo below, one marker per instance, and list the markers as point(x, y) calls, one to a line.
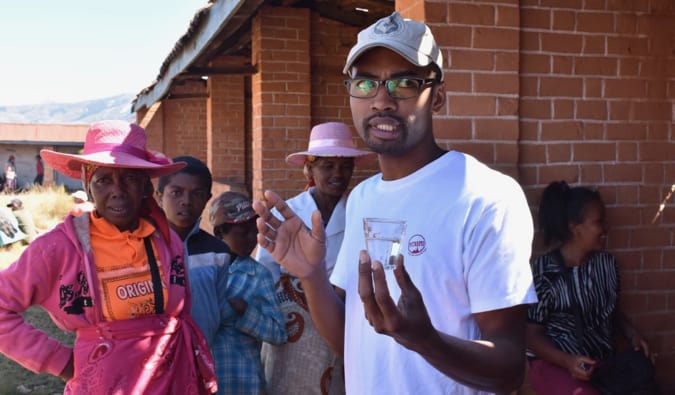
point(48, 206)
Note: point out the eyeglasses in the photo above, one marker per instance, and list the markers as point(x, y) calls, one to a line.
point(397, 88)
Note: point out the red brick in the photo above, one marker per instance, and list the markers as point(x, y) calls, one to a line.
point(658, 131)
point(560, 87)
point(529, 131)
point(629, 67)
point(507, 61)
point(592, 152)
point(472, 105)
point(656, 89)
point(507, 16)
point(453, 36)
point(592, 87)
point(563, 109)
point(621, 88)
point(563, 20)
point(471, 14)
point(533, 153)
point(452, 128)
point(669, 263)
point(595, 66)
point(535, 18)
point(472, 60)
point(495, 83)
point(632, 302)
point(528, 175)
point(652, 111)
point(623, 172)
point(572, 4)
point(652, 194)
point(560, 130)
point(656, 151)
point(561, 43)
point(595, 22)
point(620, 110)
point(569, 173)
point(507, 153)
point(530, 42)
point(592, 130)
point(508, 106)
point(594, 45)
point(625, 23)
point(655, 280)
point(627, 46)
point(669, 169)
point(436, 12)
point(625, 131)
point(483, 152)
point(653, 173)
point(595, 4)
point(623, 216)
point(628, 195)
point(495, 38)
point(563, 64)
point(496, 129)
point(559, 152)
point(591, 109)
point(535, 108)
point(536, 64)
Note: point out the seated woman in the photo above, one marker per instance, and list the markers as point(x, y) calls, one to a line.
point(115, 276)
point(571, 329)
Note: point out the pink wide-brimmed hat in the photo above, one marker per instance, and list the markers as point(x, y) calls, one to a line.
point(113, 144)
point(330, 139)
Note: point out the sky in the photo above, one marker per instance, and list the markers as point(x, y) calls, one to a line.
point(74, 50)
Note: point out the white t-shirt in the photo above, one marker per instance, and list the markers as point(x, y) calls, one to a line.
point(467, 248)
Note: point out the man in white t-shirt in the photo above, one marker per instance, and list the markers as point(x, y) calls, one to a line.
point(452, 320)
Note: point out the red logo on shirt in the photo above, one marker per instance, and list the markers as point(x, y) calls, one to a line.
point(416, 244)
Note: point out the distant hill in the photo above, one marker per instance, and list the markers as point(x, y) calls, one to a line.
point(89, 111)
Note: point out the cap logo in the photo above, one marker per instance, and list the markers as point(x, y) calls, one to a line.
point(386, 26)
point(241, 206)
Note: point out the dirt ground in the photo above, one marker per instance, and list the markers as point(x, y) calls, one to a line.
point(15, 380)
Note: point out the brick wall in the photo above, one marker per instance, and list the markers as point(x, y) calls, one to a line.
point(481, 49)
point(596, 108)
point(184, 119)
point(281, 96)
point(226, 152)
point(152, 120)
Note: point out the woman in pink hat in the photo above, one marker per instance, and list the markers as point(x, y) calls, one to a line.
point(114, 276)
point(305, 364)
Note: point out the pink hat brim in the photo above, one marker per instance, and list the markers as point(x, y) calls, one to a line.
point(298, 158)
point(71, 165)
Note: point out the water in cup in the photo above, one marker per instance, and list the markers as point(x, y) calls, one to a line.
point(383, 239)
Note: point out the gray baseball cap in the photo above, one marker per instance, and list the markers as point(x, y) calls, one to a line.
point(411, 39)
